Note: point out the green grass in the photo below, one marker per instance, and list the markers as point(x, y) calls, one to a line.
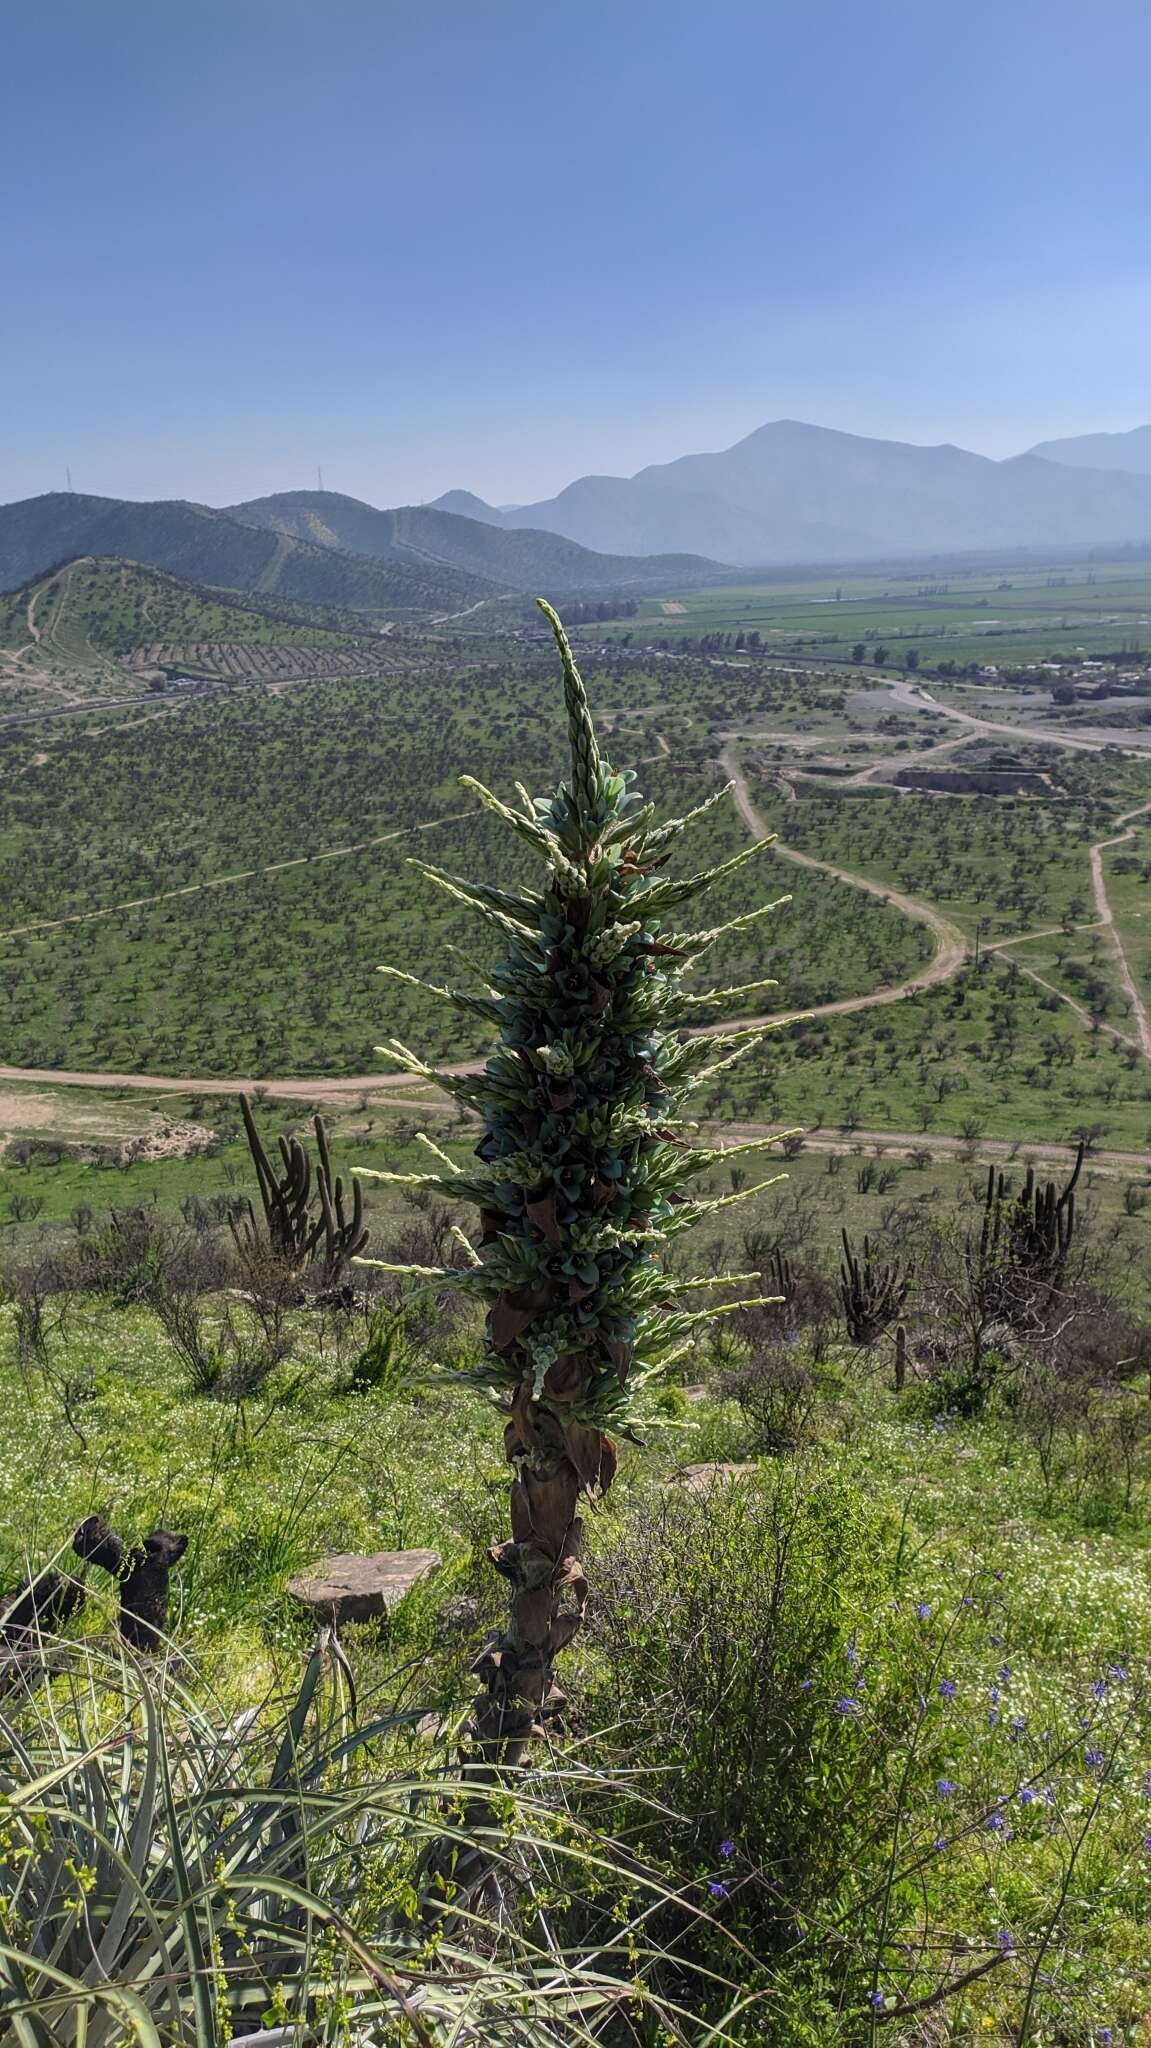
point(274, 974)
point(1007, 617)
point(961, 1564)
point(994, 865)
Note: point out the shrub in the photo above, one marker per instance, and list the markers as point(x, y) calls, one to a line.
point(721, 1685)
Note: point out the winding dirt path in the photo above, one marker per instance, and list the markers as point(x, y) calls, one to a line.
point(951, 949)
point(915, 698)
point(1107, 918)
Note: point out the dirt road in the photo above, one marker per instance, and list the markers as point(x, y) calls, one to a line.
point(1107, 918)
point(915, 698)
point(274, 867)
point(951, 947)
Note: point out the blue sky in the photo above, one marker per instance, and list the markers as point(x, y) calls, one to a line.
point(497, 245)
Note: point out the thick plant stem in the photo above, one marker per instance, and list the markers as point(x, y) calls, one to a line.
point(548, 1593)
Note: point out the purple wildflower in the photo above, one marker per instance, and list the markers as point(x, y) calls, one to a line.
point(940, 1843)
point(945, 1787)
point(1006, 1940)
point(1028, 1796)
point(877, 1999)
point(995, 1822)
point(727, 1848)
point(847, 1706)
point(717, 1889)
point(1093, 1758)
point(947, 1688)
point(923, 1611)
point(1099, 1689)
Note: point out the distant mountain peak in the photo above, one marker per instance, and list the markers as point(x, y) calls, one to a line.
point(1128, 452)
point(466, 505)
point(793, 492)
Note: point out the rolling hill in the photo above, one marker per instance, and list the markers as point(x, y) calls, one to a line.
point(790, 492)
point(97, 606)
point(207, 547)
point(421, 534)
point(1130, 452)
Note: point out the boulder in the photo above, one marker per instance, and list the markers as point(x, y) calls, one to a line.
point(701, 1478)
point(361, 1588)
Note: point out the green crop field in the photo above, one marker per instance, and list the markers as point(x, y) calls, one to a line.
point(1003, 616)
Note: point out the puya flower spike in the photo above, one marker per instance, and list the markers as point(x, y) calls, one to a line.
point(582, 1178)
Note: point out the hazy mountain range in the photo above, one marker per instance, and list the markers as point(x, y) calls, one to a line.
point(788, 493)
point(320, 548)
point(796, 493)
point(1130, 451)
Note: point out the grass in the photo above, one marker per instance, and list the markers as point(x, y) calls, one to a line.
point(1003, 616)
point(961, 1566)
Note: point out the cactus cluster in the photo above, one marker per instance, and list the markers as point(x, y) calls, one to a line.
point(305, 1217)
point(1024, 1240)
point(582, 1172)
point(872, 1294)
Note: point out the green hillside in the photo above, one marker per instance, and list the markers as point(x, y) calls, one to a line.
point(207, 547)
point(522, 557)
point(96, 605)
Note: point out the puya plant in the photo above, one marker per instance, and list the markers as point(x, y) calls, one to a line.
point(581, 1175)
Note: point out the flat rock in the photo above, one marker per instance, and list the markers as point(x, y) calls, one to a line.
point(361, 1588)
point(701, 1478)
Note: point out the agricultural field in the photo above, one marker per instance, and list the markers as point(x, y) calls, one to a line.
point(1002, 616)
point(277, 831)
point(306, 880)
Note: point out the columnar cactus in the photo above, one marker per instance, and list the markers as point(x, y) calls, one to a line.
point(1024, 1242)
point(872, 1295)
point(297, 1218)
point(581, 1174)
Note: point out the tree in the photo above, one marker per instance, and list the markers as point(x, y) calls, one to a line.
point(911, 659)
point(880, 656)
point(581, 1180)
point(859, 652)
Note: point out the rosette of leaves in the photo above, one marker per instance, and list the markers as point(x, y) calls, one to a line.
point(583, 1173)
